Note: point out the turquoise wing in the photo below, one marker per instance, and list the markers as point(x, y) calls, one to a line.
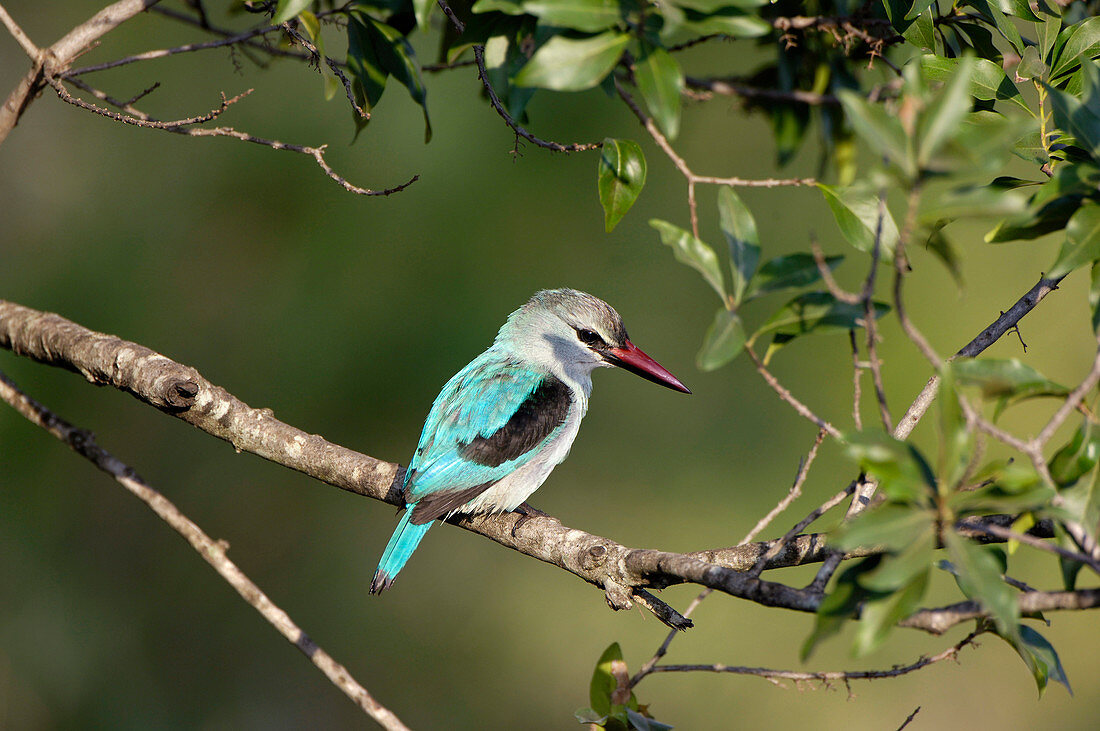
point(488, 420)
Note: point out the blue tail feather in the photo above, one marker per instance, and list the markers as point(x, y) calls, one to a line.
point(406, 537)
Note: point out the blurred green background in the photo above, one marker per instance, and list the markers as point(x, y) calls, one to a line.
point(345, 315)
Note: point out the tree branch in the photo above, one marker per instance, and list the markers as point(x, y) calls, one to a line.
point(213, 552)
point(623, 573)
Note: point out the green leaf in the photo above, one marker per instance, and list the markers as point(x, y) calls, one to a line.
point(1004, 25)
point(1009, 381)
point(1082, 245)
point(893, 527)
point(1083, 43)
point(1094, 296)
point(941, 246)
point(730, 21)
point(661, 81)
point(422, 9)
point(620, 177)
point(725, 339)
point(1077, 457)
point(880, 616)
point(954, 437)
point(287, 9)
point(906, 564)
point(813, 312)
point(856, 210)
point(382, 50)
point(508, 7)
point(713, 6)
point(691, 251)
point(568, 64)
point(784, 272)
point(979, 576)
point(918, 30)
point(988, 81)
point(841, 604)
point(879, 129)
point(739, 228)
point(1041, 658)
point(919, 6)
point(1048, 36)
point(940, 122)
point(363, 61)
point(603, 683)
point(1031, 65)
point(590, 16)
point(901, 470)
point(1081, 118)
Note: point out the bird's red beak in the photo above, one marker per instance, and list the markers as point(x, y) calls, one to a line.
point(634, 360)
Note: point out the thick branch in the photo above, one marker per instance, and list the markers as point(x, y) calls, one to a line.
point(623, 573)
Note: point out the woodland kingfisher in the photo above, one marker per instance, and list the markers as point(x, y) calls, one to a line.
point(502, 423)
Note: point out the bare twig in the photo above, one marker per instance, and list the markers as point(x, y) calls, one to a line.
point(801, 408)
point(938, 621)
point(213, 552)
point(62, 53)
point(824, 677)
point(983, 340)
point(796, 489)
point(179, 127)
point(483, 75)
point(733, 87)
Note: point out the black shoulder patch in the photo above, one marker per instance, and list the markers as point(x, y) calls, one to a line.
point(539, 415)
point(439, 504)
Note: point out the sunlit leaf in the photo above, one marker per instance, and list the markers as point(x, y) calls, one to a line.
point(987, 81)
point(739, 228)
point(1082, 245)
point(568, 64)
point(1081, 118)
point(857, 213)
point(879, 129)
point(590, 16)
point(661, 82)
point(1009, 381)
point(901, 470)
point(287, 9)
point(693, 252)
point(1083, 43)
point(941, 120)
point(620, 178)
point(724, 340)
point(979, 576)
point(1077, 457)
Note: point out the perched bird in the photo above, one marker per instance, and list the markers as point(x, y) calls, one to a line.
point(502, 423)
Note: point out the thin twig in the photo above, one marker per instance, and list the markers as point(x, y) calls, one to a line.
point(213, 552)
point(801, 408)
point(317, 153)
point(824, 677)
point(796, 489)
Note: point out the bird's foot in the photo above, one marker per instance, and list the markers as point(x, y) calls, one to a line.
point(526, 512)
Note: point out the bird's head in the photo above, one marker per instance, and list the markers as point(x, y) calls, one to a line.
point(571, 333)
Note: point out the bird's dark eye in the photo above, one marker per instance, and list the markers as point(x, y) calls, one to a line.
point(589, 337)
